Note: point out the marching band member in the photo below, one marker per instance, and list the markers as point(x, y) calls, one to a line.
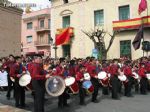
point(91, 69)
point(72, 68)
point(60, 71)
point(16, 73)
point(128, 73)
point(9, 66)
point(80, 78)
point(105, 89)
point(38, 82)
point(136, 81)
point(143, 80)
point(114, 71)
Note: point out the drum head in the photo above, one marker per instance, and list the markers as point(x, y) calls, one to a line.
point(122, 77)
point(87, 76)
point(148, 76)
point(24, 80)
point(69, 81)
point(135, 75)
point(109, 75)
point(102, 75)
point(87, 84)
point(55, 86)
point(12, 79)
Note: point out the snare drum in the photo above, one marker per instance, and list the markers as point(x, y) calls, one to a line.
point(104, 79)
point(24, 80)
point(148, 76)
point(87, 85)
point(72, 84)
point(135, 75)
point(87, 76)
point(123, 78)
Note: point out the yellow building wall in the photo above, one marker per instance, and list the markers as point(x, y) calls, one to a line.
point(82, 18)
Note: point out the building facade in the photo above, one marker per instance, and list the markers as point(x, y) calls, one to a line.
point(36, 32)
point(111, 15)
point(10, 30)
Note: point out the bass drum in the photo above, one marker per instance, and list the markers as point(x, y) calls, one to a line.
point(55, 86)
point(87, 85)
point(72, 85)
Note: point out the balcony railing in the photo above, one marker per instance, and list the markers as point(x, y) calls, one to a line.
point(42, 43)
point(131, 23)
point(40, 29)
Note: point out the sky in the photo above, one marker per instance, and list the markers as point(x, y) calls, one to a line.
point(40, 4)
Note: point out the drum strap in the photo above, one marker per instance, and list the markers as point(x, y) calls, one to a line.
point(20, 69)
point(66, 73)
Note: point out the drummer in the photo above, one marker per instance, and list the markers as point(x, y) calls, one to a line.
point(38, 82)
point(114, 71)
point(128, 73)
point(61, 70)
point(80, 78)
point(143, 80)
point(91, 69)
point(16, 73)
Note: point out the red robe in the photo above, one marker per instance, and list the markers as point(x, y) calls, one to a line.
point(37, 72)
point(142, 72)
point(127, 71)
point(79, 76)
point(91, 69)
point(113, 70)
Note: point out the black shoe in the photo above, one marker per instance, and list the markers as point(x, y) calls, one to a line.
point(66, 105)
point(60, 106)
point(17, 105)
point(8, 98)
point(82, 104)
point(116, 98)
point(95, 101)
point(129, 96)
point(23, 106)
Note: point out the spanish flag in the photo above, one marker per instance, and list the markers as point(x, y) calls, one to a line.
point(63, 36)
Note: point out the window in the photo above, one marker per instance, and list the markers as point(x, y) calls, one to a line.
point(65, 1)
point(29, 25)
point(49, 23)
point(99, 18)
point(66, 50)
point(41, 23)
point(124, 12)
point(29, 39)
point(125, 48)
point(49, 39)
point(66, 21)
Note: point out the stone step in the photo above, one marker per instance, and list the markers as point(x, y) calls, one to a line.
point(7, 108)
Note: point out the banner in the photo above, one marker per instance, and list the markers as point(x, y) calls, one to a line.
point(3, 79)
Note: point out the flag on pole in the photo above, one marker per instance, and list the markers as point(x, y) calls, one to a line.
point(142, 6)
point(64, 36)
point(137, 40)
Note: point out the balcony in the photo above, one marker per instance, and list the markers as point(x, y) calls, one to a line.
point(42, 43)
point(131, 24)
point(38, 29)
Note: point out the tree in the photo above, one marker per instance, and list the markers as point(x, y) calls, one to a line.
point(98, 36)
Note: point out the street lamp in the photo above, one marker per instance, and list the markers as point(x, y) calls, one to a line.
point(55, 47)
point(51, 43)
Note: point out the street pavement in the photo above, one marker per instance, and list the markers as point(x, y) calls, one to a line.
point(138, 103)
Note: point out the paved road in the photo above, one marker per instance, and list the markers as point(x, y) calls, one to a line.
point(139, 103)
